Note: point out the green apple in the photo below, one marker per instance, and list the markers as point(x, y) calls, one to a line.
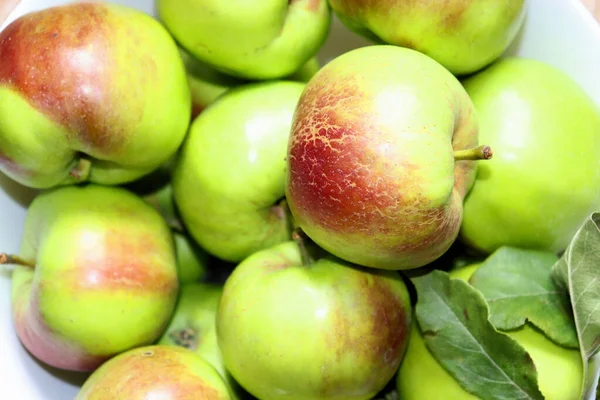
point(543, 182)
point(89, 91)
point(381, 154)
point(193, 327)
point(464, 36)
point(96, 275)
point(421, 377)
point(192, 261)
point(289, 328)
point(228, 183)
point(269, 39)
point(207, 84)
point(154, 372)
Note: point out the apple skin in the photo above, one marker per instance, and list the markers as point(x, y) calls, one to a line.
point(463, 36)
point(421, 377)
point(542, 183)
point(371, 175)
point(104, 281)
point(329, 330)
point(207, 84)
point(229, 180)
point(68, 93)
point(193, 327)
point(154, 372)
point(263, 40)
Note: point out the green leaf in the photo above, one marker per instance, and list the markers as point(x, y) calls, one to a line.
point(578, 270)
point(453, 317)
point(518, 287)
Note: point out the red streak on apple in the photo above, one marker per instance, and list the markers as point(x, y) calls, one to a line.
point(452, 12)
point(310, 5)
point(384, 313)
point(60, 60)
point(118, 261)
point(46, 346)
point(149, 373)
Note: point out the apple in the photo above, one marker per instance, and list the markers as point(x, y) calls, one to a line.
point(421, 377)
point(259, 41)
point(193, 326)
point(543, 182)
point(95, 276)
point(73, 107)
point(228, 182)
point(381, 154)
point(464, 36)
point(154, 372)
point(294, 326)
point(207, 84)
point(192, 261)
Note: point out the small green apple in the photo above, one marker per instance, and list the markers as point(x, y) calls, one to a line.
point(96, 275)
point(89, 91)
point(464, 36)
point(192, 261)
point(193, 327)
point(154, 372)
point(262, 40)
point(325, 329)
point(421, 377)
point(228, 183)
point(543, 181)
point(207, 84)
point(380, 157)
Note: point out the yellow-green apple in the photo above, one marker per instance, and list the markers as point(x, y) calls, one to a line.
point(381, 154)
point(89, 91)
point(155, 372)
point(464, 36)
point(292, 327)
point(193, 327)
point(95, 276)
point(261, 40)
point(228, 183)
point(207, 84)
point(543, 183)
point(192, 261)
point(559, 370)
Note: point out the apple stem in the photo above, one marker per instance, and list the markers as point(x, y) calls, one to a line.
point(483, 152)
point(299, 237)
point(81, 171)
point(12, 259)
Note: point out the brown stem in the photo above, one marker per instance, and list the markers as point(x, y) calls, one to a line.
point(483, 152)
point(81, 171)
point(300, 238)
point(13, 259)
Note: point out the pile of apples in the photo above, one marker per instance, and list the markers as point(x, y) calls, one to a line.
point(219, 216)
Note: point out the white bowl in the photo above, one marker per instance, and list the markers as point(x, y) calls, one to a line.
point(559, 32)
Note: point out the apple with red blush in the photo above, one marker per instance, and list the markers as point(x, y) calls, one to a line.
point(89, 92)
point(382, 151)
point(155, 372)
point(95, 276)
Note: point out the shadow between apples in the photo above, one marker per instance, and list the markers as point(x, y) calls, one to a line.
point(22, 195)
